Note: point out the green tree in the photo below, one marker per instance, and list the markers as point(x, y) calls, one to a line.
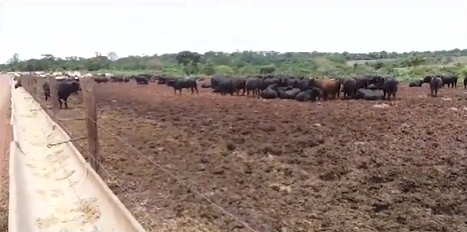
point(208, 69)
point(224, 70)
point(403, 65)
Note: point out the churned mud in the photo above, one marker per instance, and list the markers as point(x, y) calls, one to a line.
point(281, 165)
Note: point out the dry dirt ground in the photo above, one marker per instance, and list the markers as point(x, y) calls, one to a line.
point(4, 174)
point(5, 139)
point(282, 165)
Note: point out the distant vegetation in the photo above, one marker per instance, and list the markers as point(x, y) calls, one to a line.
point(407, 65)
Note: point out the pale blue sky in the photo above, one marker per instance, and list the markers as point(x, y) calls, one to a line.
point(81, 28)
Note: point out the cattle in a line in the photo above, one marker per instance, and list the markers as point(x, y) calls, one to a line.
point(289, 87)
point(450, 80)
point(305, 89)
point(252, 85)
point(101, 79)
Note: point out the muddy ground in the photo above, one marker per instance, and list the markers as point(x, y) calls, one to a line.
point(281, 165)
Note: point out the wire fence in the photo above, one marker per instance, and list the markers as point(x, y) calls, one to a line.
point(38, 96)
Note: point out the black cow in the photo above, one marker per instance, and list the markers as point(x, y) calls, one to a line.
point(269, 92)
point(224, 85)
point(141, 80)
point(368, 94)
point(389, 85)
point(101, 80)
point(435, 84)
point(216, 80)
point(179, 84)
point(239, 83)
point(268, 81)
point(416, 83)
point(18, 84)
point(450, 80)
point(117, 79)
point(287, 92)
point(428, 78)
point(161, 80)
point(253, 84)
point(309, 95)
point(64, 90)
point(303, 84)
point(349, 87)
point(465, 82)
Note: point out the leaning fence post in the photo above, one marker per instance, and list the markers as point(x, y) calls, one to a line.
point(89, 100)
point(53, 94)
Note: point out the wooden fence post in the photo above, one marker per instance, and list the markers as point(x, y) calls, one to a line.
point(27, 84)
point(53, 94)
point(34, 86)
point(21, 80)
point(38, 86)
point(89, 101)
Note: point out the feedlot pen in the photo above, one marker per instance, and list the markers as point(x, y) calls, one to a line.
point(280, 165)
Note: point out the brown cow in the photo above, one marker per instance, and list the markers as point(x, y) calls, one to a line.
point(327, 86)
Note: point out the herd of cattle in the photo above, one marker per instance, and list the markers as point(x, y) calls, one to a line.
point(369, 87)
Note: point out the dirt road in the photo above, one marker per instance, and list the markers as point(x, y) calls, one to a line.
point(5, 139)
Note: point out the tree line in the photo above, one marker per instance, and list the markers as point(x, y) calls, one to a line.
point(404, 65)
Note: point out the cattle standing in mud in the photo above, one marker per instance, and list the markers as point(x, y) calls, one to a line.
point(389, 87)
point(141, 80)
point(435, 85)
point(183, 84)
point(349, 87)
point(239, 83)
point(465, 82)
point(99, 80)
point(450, 81)
point(253, 84)
point(65, 89)
point(224, 85)
point(327, 86)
